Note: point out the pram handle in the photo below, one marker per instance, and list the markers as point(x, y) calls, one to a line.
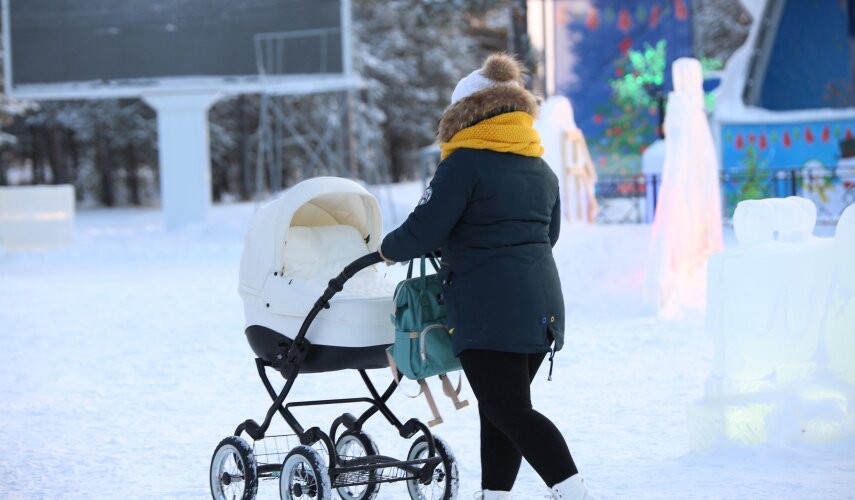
point(337, 284)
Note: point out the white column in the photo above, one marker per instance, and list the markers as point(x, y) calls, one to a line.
point(184, 155)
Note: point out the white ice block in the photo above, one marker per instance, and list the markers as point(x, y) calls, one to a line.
point(36, 217)
point(840, 329)
point(789, 219)
point(765, 305)
point(781, 310)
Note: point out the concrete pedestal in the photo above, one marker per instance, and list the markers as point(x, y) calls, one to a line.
point(184, 155)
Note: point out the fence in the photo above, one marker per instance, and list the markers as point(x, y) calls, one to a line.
point(631, 199)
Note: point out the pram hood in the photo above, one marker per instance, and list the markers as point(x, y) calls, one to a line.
point(321, 201)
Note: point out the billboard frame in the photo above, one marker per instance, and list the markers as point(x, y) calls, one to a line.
point(227, 85)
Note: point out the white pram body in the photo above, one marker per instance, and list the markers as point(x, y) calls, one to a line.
point(294, 246)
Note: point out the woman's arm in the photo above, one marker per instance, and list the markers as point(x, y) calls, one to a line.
point(555, 221)
point(430, 223)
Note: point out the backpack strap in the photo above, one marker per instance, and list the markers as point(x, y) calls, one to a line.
point(451, 392)
point(394, 367)
point(437, 419)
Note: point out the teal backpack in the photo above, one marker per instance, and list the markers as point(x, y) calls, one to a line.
point(423, 346)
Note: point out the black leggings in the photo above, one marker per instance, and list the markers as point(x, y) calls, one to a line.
point(510, 428)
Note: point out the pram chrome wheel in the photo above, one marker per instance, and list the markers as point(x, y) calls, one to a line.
point(445, 481)
point(351, 445)
point(233, 471)
point(304, 476)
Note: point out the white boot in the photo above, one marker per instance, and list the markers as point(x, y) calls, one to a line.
point(572, 488)
point(493, 495)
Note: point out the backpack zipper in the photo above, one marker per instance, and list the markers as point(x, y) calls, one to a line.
point(423, 336)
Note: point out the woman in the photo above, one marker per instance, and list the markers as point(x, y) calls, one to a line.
point(493, 207)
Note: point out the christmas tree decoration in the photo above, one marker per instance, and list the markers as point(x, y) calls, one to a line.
point(592, 22)
point(624, 21)
point(681, 12)
point(654, 16)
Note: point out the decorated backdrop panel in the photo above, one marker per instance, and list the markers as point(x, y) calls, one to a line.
point(784, 145)
point(763, 160)
point(611, 92)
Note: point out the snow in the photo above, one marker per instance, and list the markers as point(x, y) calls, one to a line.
point(123, 364)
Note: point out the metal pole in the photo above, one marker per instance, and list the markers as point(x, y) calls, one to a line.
point(654, 178)
point(793, 183)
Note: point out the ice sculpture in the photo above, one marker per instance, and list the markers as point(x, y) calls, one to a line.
point(774, 219)
point(781, 311)
point(687, 226)
point(840, 331)
point(36, 217)
point(566, 151)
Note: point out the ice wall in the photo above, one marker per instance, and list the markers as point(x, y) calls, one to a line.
point(36, 217)
point(781, 310)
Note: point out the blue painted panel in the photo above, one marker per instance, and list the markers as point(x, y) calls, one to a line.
point(809, 66)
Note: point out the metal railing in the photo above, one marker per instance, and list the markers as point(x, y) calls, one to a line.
point(631, 199)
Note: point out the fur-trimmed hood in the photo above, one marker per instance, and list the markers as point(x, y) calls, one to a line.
point(505, 95)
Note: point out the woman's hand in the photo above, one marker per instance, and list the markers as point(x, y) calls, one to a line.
point(388, 262)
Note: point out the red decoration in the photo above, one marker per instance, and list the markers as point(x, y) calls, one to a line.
point(848, 133)
point(680, 10)
point(624, 21)
point(625, 45)
point(751, 138)
point(762, 143)
point(739, 142)
point(593, 20)
point(619, 72)
point(808, 135)
point(826, 134)
point(654, 16)
point(785, 138)
point(598, 119)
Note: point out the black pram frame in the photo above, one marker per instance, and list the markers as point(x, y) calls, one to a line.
point(343, 472)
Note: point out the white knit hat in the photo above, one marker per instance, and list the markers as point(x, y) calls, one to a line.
point(475, 82)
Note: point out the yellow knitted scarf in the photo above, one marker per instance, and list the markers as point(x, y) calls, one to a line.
point(505, 133)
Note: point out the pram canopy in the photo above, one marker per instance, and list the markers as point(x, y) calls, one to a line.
point(296, 244)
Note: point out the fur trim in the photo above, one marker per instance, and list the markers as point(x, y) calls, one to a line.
point(501, 98)
point(503, 68)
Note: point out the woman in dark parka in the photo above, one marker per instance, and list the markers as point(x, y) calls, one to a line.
point(493, 209)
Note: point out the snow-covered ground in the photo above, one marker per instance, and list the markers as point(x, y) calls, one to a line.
point(123, 363)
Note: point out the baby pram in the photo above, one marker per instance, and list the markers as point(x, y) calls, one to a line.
point(298, 322)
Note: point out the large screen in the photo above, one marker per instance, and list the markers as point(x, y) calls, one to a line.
point(110, 41)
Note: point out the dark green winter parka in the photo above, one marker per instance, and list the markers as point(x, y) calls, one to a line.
point(496, 217)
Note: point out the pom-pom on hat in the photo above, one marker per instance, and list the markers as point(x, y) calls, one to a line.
point(495, 88)
point(497, 69)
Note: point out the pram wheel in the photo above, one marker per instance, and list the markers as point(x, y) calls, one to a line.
point(304, 476)
point(233, 471)
point(445, 480)
point(351, 445)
